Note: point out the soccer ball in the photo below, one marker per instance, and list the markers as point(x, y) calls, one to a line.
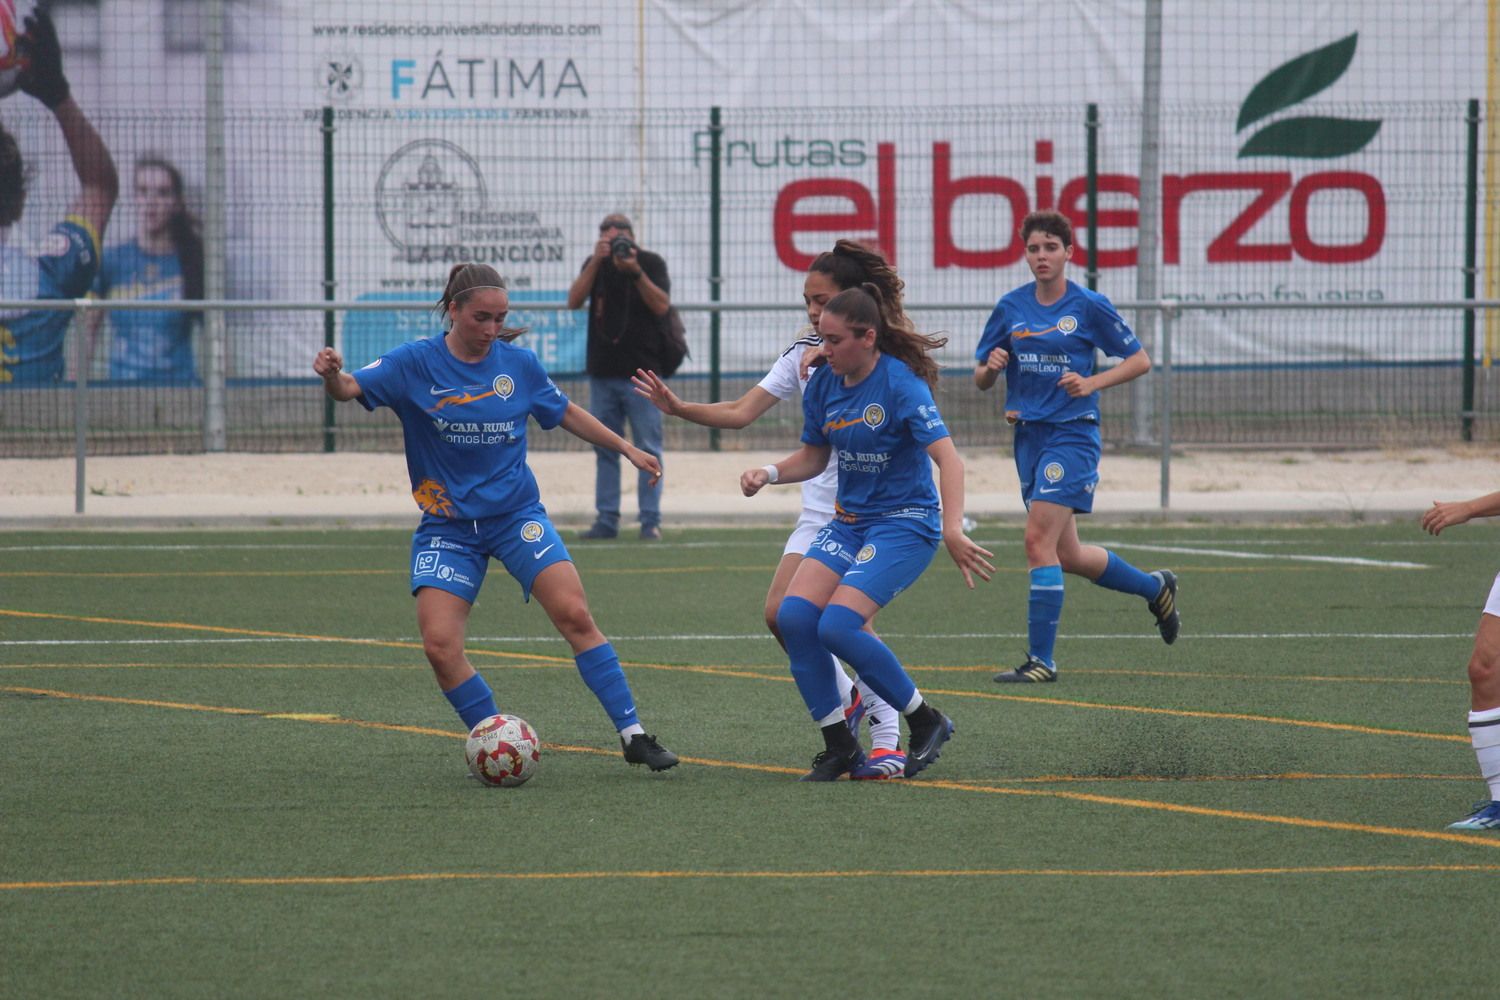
point(502, 750)
point(13, 15)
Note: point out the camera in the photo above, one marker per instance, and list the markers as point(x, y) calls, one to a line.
point(621, 246)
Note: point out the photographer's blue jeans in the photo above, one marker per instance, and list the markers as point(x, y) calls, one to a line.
point(615, 401)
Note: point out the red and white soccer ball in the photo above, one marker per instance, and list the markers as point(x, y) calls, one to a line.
point(13, 15)
point(502, 750)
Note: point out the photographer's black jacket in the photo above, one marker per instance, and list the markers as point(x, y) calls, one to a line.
point(623, 334)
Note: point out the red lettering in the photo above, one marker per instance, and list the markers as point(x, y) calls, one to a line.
point(1226, 248)
point(1338, 253)
point(946, 191)
point(1074, 204)
point(864, 217)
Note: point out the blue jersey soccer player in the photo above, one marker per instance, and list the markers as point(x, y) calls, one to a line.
point(1043, 335)
point(63, 267)
point(873, 403)
point(463, 400)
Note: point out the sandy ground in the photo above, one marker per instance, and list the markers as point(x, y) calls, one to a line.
point(702, 487)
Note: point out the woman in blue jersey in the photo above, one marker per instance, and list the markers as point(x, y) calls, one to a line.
point(872, 402)
point(848, 265)
point(1043, 335)
point(463, 399)
point(163, 261)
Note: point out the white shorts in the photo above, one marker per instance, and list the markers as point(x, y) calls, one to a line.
point(1491, 606)
point(808, 525)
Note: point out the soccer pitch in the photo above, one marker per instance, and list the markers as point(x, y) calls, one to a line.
point(226, 771)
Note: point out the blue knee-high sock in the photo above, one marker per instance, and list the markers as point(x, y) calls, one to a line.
point(1043, 612)
point(473, 701)
point(600, 669)
point(1120, 575)
point(812, 665)
point(842, 630)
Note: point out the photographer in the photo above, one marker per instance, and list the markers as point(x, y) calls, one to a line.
point(627, 289)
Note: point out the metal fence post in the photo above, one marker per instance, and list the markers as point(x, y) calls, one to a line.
point(1091, 171)
point(329, 285)
point(715, 263)
point(215, 193)
point(1471, 227)
point(1165, 326)
point(80, 405)
point(1149, 224)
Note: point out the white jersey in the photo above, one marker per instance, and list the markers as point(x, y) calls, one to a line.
point(782, 382)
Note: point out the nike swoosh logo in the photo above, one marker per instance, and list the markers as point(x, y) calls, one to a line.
point(538, 555)
point(1052, 490)
point(443, 392)
point(854, 572)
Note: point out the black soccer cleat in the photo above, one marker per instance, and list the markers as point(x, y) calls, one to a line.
point(643, 749)
point(1033, 671)
point(1164, 606)
point(831, 765)
point(926, 741)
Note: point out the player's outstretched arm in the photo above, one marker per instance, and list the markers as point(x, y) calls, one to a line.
point(1445, 514)
point(329, 366)
point(586, 427)
point(972, 560)
point(801, 465)
point(729, 414)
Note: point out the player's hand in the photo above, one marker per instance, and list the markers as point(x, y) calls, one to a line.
point(650, 385)
point(972, 559)
point(753, 480)
point(811, 358)
point(1076, 385)
point(328, 363)
point(997, 359)
point(646, 462)
point(1445, 515)
point(43, 77)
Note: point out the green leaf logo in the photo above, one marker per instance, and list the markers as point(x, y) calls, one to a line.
point(1314, 138)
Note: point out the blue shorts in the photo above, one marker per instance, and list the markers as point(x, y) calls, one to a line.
point(881, 557)
point(1058, 463)
point(453, 555)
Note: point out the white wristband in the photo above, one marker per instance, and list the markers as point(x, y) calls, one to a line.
point(771, 474)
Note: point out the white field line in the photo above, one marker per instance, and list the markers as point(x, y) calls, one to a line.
point(1289, 557)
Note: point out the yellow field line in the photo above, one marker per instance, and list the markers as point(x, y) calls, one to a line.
point(263, 633)
point(1188, 713)
point(1092, 798)
point(733, 672)
point(1057, 779)
point(286, 880)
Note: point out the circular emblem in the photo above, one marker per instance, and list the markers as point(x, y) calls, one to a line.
point(504, 386)
point(1053, 472)
point(531, 531)
point(1067, 324)
point(445, 572)
point(340, 76)
point(423, 191)
point(874, 415)
point(865, 554)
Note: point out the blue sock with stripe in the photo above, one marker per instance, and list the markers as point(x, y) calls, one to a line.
point(812, 665)
point(1120, 575)
point(1043, 612)
point(600, 669)
point(473, 701)
point(842, 630)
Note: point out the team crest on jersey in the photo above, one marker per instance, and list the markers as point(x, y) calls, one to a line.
point(1053, 472)
point(1067, 324)
point(505, 386)
point(865, 554)
point(874, 415)
point(531, 530)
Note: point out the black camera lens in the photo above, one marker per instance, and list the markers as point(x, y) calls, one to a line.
point(621, 246)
